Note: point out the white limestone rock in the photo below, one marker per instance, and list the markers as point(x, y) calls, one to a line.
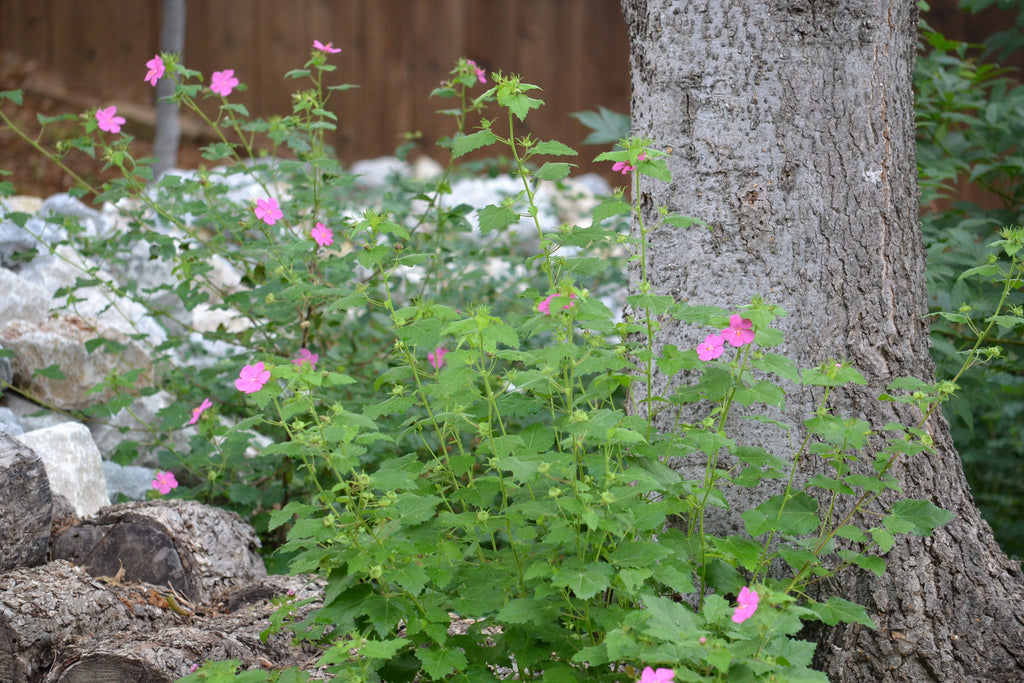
point(73, 465)
point(61, 341)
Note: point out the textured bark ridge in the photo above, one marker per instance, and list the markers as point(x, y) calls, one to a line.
point(790, 128)
point(26, 512)
point(152, 588)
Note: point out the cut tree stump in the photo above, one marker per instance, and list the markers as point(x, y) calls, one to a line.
point(169, 653)
point(139, 592)
point(26, 512)
point(200, 551)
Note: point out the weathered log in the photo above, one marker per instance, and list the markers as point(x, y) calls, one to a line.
point(26, 512)
point(169, 653)
point(44, 608)
point(201, 551)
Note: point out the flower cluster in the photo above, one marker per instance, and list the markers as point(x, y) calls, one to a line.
point(625, 168)
point(739, 332)
point(649, 675)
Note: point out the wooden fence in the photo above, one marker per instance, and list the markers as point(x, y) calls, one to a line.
point(397, 51)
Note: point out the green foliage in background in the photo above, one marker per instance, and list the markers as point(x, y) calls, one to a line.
point(970, 118)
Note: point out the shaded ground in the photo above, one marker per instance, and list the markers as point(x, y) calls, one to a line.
point(46, 94)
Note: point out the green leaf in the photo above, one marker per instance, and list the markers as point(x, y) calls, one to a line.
point(607, 126)
point(553, 171)
point(760, 392)
point(409, 576)
point(613, 206)
point(668, 620)
point(921, 516)
point(49, 372)
point(835, 610)
point(12, 95)
point(584, 581)
point(440, 661)
point(554, 148)
point(496, 218)
point(740, 550)
point(872, 563)
point(778, 365)
point(380, 649)
point(796, 515)
point(473, 141)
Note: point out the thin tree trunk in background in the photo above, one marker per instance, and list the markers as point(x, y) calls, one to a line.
point(168, 124)
point(791, 130)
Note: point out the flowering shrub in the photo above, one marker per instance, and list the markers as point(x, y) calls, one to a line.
point(443, 446)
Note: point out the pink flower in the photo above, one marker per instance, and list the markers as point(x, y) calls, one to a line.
point(650, 675)
point(329, 47)
point(164, 482)
point(712, 347)
point(252, 378)
point(739, 332)
point(305, 356)
point(545, 306)
point(268, 211)
point(196, 412)
point(323, 235)
point(156, 70)
point(436, 357)
point(623, 167)
point(108, 120)
point(747, 605)
point(223, 82)
point(479, 72)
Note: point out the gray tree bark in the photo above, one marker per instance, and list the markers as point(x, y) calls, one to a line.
point(790, 127)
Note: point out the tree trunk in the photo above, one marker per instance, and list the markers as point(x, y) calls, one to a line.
point(790, 127)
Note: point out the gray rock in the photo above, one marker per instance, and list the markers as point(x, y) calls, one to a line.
point(134, 420)
point(61, 342)
point(9, 423)
point(131, 480)
point(73, 464)
point(21, 300)
point(31, 416)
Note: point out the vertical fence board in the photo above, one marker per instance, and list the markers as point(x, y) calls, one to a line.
point(439, 35)
point(396, 51)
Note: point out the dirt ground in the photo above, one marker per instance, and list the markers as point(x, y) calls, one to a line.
point(46, 94)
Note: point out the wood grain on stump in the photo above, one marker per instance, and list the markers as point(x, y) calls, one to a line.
point(25, 514)
point(200, 551)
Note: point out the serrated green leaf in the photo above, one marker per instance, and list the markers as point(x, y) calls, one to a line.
point(49, 372)
point(921, 515)
point(553, 171)
point(495, 218)
point(584, 581)
point(473, 141)
point(440, 660)
point(835, 610)
point(607, 126)
point(796, 515)
point(554, 148)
